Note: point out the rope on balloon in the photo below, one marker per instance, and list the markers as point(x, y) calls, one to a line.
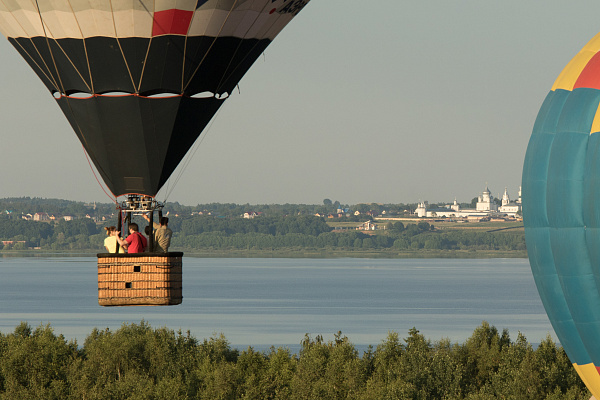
point(62, 89)
point(188, 158)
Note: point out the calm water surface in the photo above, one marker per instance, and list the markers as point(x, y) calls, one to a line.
point(264, 302)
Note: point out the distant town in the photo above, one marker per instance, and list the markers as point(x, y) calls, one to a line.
point(486, 224)
point(483, 208)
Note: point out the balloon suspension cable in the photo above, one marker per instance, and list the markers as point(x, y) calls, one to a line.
point(111, 196)
point(190, 154)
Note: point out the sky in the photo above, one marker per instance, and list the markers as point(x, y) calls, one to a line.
point(388, 101)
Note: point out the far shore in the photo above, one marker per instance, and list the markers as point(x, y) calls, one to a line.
point(295, 253)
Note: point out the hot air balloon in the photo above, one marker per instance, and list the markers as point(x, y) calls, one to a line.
point(561, 210)
point(139, 80)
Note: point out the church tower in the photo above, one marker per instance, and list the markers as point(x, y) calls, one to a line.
point(505, 198)
point(486, 201)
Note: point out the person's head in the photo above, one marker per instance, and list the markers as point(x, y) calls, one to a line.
point(133, 227)
point(164, 221)
point(110, 230)
point(148, 230)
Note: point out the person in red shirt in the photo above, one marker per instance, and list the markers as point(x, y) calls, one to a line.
point(135, 242)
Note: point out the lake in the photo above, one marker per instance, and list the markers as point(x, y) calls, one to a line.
point(263, 302)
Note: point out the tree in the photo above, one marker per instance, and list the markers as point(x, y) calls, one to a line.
point(34, 364)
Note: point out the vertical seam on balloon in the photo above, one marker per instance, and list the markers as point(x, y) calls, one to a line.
point(61, 49)
point(73, 65)
point(51, 77)
point(188, 160)
point(62, 87)
point(187, 35)
point(184, 57)
point(240, 44)
point(183, 85)
point(112, 13)
point(238, 47)
point(61, 84)
point(211, 46)
point(87, 58)
point(149, 44)
point(584, 222)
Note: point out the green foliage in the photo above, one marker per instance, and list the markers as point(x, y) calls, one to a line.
point(139, 362)
point(220, 227)
point(34, 364)
point(16, 229)
point(307, 225)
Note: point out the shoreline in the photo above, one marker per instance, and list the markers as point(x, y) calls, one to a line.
point(295, 253)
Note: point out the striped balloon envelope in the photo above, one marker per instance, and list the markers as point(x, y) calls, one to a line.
point(139, 80)
point(561, 210)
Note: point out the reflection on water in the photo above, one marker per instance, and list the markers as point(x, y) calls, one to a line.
point(263, 302)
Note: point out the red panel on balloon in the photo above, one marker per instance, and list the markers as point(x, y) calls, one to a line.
point(590, 76)
point(171, 22)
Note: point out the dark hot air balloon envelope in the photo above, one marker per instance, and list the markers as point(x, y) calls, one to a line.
point(139, 80)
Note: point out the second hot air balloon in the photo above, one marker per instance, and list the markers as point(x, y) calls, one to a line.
point(561, 210)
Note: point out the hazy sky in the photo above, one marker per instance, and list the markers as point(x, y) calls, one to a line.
point(387, 101)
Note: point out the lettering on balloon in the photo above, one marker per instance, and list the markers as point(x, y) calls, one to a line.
point(292, 7)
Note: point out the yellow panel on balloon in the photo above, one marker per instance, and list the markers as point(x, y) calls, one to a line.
point(569, 75)
point(589, 375)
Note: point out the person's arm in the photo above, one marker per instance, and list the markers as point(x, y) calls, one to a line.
point(124, 243)
point(154, 224)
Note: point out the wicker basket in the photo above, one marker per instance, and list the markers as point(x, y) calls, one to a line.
point(143, 279)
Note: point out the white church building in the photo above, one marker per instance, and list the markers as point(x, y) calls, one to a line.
point(486, 206)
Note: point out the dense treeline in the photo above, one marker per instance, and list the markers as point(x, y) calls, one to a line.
point(25, 205)
point(220, 227)
point(412, 237)
point(308, 225)
point(263, 233)
point(138, 362)
point(79, 234)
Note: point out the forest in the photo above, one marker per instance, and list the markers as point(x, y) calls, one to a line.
point(221, 228)
point(140, 362)
point(264, 233)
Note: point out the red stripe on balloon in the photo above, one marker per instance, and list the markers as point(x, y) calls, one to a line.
point(590, 76)
point(171, 22)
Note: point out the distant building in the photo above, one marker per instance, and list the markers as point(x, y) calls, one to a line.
point(251, 214)
point(421, 210)
point(485, 202)
point(367, 226)
point(41, 216)
point(485, 207)
point(508, 207)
